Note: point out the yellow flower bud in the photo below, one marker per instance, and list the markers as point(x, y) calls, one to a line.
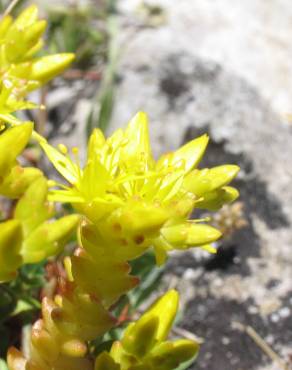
point(144, 345)
point(169, 355)
point(12, 143)
point(189, 234)
point(19, 179)
point(105, 362)
point(48, 239)
point(140, 337)
point(47, 67)
point(4, 25)
point(207, 180)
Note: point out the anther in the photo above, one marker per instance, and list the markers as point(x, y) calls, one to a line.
point(63, 149)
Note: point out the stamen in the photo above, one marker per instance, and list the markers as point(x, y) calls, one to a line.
point(2, 127)
point(63, 149)
point(51, 183)
point(75, 152)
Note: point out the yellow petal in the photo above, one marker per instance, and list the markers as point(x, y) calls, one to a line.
point(4, 25)
point(165, 309)
point(47, 67)
point(222, 175)
point(190, 234)
point(65, 196)
point(140, 337)
point(26, 17)
point(190, 153)
point(62, 163)
point(105, 362)
point(95, 143)
point(94, 180)
point(214, 200)
point(32, 51)
point(169, 355)
point(34, 32)
point(209, 248)
point(206, 180)
point(137, 134)
point(160, 254)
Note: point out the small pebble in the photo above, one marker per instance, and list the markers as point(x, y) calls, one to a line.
point(285, 312)
point(275, 317)
point(225, 341)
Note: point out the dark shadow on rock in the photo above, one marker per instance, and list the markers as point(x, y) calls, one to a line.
point(232, 255)
point(224, 258)
point(226, 347)
point(253, 190)
point(178, 71)
point(57, 116)
point(173, 86)
point(174, 82)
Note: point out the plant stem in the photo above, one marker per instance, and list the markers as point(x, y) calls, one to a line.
point(9, 8)
point(262, 344)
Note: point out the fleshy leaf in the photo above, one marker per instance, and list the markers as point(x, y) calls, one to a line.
point(49, 238)
point(10, 246)
point(12, 143)
point(105, 362)
point(17, 182)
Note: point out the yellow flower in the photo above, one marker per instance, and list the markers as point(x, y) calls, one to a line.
point(20, 71)
point(12, 143)
point(20, 40)
point(32, 235)
point(144, 344)
point(137, 201)
point(42, 236)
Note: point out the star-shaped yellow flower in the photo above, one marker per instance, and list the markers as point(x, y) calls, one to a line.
point(137, 201)
point(20, 70)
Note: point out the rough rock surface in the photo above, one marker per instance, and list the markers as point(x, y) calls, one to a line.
point(250, 38)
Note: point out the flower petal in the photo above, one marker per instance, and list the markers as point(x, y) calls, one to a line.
point(190, 153)
point(62, 163)
point(192, 234)
point(47, 67)
point(206, 180)
point(138, 146)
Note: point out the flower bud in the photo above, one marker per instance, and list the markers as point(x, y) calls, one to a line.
point(12, 143)
point(47, 67)
point(105, 362)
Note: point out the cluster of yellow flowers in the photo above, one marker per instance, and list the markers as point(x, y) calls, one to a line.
point(20, 71)
point(125, 201)
point(138, 202)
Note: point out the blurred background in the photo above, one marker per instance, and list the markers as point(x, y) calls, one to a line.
point(216, 66)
